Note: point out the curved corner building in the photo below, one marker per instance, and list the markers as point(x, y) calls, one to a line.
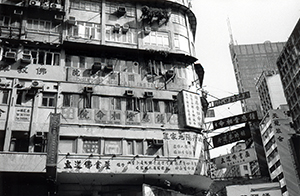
point(94, 99)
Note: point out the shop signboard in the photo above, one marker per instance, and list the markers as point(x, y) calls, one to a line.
point(231, 99)
point(233, 120)
point(228, 137)
point(236, 158)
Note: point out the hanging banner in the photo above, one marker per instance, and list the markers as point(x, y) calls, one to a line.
point(231, 99)
point(231, 136)
point(237, 158)
point(234, 120)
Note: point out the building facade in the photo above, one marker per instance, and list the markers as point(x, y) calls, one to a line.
point(249, 61)
point(94, 98)
point(276, 134)
point(289, 68)
point(262, 189)
point(270, 91)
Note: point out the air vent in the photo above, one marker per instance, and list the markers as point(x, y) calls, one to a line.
point(55, 6)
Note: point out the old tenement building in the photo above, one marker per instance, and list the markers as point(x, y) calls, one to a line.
point(91, 93)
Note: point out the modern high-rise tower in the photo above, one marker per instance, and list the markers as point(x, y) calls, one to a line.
point(249, 61)
point(94, 98)
point(289, 68)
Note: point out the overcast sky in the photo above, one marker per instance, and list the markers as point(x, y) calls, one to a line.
point(252, 21)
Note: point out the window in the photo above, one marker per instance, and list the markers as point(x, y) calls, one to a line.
point(49, 99)
point(157, 39)
point(129, 37)
point(19, 141)
point(116, 103)
point(178, 18)
point(42, 26)
point(67, 145)
point(171, 107)
point(112, 147)
point(4, 94)
point(147, 105)
point(85, 100)
point(246, 167)
point(90, 146)
point(112, 8)
point(156, 105)
point(130, 147)
point(67, 100)
point(139, 147)
point(86, 5)
point(43, 57)
point(7, 21)
point(181, 42)
point(132, 104)
point(85, 30)
point(24, 98)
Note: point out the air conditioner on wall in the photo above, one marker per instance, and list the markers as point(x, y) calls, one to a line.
point(129, 93)
point(37, 84)
point(88, 89)
point(55, 6)
point(34, 3)
point(148, 94)
point(26, 58)
point(58, 17)
point(117, 28)
point(10, 55)
point(18, 12)
point(121, 10)
point(3, 82)
point(147, 30)
point(71, 20)
point(157, 142)
point(125, 28)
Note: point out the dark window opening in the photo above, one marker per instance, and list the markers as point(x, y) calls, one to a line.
point(19, 141)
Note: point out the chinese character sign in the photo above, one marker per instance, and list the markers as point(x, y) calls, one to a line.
point(192, 109)
point(231, 99)
point(237, 158)
point(242, 118)
point(231, 136)
point(53, 137)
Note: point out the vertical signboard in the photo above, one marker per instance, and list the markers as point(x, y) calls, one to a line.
point(191, 109)
point(52, 147)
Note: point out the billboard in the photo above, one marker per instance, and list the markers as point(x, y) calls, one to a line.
point(231, 136)
point(190, 109)
point(236, 158)
point(234, 120)
point(230, 99)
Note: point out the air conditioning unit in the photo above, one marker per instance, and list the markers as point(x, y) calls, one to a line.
point(46, 5)
point(121, 10)
point(157, 142)
point(10, 55)
point(55, 6)
point(26, 58)
point(71, 20)
point(147, 30)
point(34, 3)
point(88, 89)
point(37, 84)
point(58, 17)
point(3, 82)
point(129, 93)
point(125, 28)
point(117, 28)
point(148, 94)
point(109, 67)
point(18, 12)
